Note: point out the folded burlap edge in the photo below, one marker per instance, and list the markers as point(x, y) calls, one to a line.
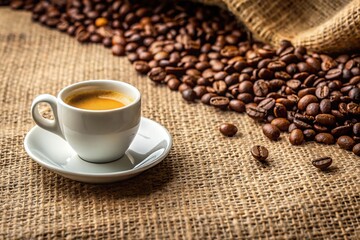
point(338, 34)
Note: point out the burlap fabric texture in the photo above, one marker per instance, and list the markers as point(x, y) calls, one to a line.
point(320, 25)
point(209, 187)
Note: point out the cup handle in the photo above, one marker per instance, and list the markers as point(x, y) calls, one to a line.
point(49, 125)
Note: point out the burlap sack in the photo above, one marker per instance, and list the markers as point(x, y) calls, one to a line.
point(209, 187)
point(320, 25)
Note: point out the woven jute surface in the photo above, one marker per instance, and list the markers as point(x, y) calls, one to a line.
point(320, 25)
point(209, 187)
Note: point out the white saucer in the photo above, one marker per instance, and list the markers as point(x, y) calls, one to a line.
point(150, 146)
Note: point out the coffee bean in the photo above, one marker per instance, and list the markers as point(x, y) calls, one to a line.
point(322, 163)
point(118, 50)
point(141, 67)
point(346, 142)
point(312, 109)
point(199, 90)
point(237, 105)
point(309, 134)
point(296, 137)
point(189, 95)
point(261, 88)
point(174, 84)
point(157, 74)
point(325, 138)
point(325, 106)
point(228, 129)
point(267, 104)
point(256, 113)
point(322, 92)
point(341, 130)
point(271, 131)
point(220, 102)
point(205, 99)
point(281, 123)
point(259, 152)
point(325, 119)
point(280, 110)
point(333, 74)
point(306, 100)
point(356, 129)
point(356, 149)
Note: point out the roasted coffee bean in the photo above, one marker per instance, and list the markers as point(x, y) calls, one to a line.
point(174, 84)
point(246, 87)
point(312, 109)
point(271, 131)
point(341, 130)
point(325, 138)
point(261, 88)
point(356, 129)
point(293, 84)
point(205, 99)
point(220, 87)
point(228, 129)
point(322, 163)
point(200, 91)
point(346, 142)
point(259, 152)
point(309, 134)
point(267, 104)
point(296, 137)
point(141, 67)
point(220, 102)
point(280, 110)
point(356, 149)
point(325, 106)
point(189, 95)
point(306, 100)
point(118, 50)
point(325, 119)
point(354, 94)
point(301, 124)
point(353, 108)
point(281, 123)
point(245, 97)
point(157, 74)
point(256, 113)
point(237, 105)
point(333, 74)
point(322, 92)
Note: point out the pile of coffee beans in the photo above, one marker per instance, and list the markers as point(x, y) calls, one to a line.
point(205, 55)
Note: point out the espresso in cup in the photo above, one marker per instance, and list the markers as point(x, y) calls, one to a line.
point(98, 118)
point(98, 100)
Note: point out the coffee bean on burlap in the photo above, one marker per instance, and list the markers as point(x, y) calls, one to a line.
point(322, 163)
point(356, 149)
point(345, 142)
point(325, 138)
point(296, 137)
point(228, 129)
point(259, 152)
point(271, 131)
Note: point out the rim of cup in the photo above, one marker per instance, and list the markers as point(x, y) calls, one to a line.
point(74, 86)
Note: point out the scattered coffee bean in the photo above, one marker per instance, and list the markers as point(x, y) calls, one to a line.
point(325, 138)
point(228, 129)
point(296, 137)
point(356, 149)
point(189, 95)
point(322, 163)
point(281, 123)
point(346, 142)
point(271, 131)
point(259, 152)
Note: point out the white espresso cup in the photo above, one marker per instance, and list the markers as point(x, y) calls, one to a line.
point(97, 136)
